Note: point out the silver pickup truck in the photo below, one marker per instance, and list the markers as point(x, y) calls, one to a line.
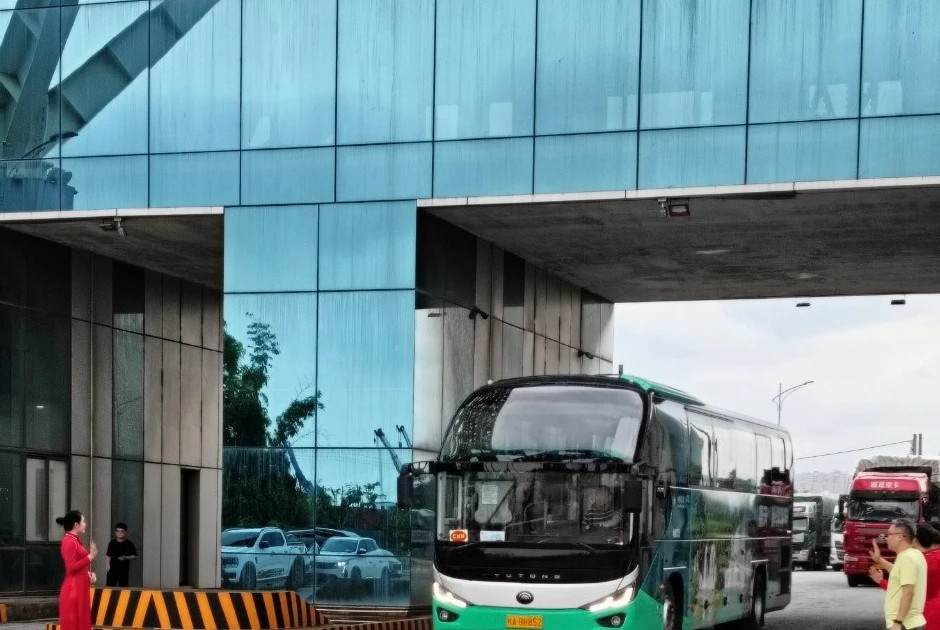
point(262, 558)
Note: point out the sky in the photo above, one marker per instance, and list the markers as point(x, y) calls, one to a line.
point(875, 367)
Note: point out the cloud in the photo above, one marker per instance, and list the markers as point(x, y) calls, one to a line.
point(875, 366)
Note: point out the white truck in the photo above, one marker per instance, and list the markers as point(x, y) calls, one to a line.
point(262, 557)
point(837, 554)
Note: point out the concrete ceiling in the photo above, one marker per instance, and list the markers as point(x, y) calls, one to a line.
point(748, 242)
point(184, 245)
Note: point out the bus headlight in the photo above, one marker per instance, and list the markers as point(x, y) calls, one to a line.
point(618, 600)
point(447, 598)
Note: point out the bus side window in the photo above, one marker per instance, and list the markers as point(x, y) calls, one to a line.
point(724, 454)
point(764, 460)
point(745, 457)
point(701, 451)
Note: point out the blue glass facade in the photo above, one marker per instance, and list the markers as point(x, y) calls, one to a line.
point(143, 103)
point(317, 124)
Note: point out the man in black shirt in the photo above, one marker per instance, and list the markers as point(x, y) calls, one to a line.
point(120, 553)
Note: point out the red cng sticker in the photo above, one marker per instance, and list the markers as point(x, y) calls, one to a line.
point(458, 535)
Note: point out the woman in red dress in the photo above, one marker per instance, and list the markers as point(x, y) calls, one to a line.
point(74, 598)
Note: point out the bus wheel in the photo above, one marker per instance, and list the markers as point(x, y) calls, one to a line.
point(672, 616)
point(758, 602)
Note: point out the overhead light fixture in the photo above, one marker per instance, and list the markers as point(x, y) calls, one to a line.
point(672, 208)
point(435, 314)
point(582, 353)
point(898, 302)
point(802, 304)
point(115, 225)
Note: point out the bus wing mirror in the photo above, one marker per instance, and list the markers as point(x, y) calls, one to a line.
point(405, 487)
point(633, 496)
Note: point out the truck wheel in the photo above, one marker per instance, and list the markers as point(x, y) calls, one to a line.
point(853, 580)
point(249, 578)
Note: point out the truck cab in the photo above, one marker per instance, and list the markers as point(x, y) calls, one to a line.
point(875, 500)
point(811, 537)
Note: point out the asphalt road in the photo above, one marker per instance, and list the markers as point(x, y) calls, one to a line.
point(822, 600)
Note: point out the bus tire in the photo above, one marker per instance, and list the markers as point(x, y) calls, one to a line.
point(672, 607)
point(758, 601)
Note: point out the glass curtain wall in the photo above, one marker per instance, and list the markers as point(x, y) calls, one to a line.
point(146, 103)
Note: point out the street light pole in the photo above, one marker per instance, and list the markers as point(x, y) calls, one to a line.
point(783, 393)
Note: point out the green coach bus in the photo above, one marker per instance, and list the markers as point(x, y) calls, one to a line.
point(567, 502)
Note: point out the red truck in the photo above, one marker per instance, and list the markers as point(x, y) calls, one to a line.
point(885, 488)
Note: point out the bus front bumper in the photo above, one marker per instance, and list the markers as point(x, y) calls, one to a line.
point(642, 613)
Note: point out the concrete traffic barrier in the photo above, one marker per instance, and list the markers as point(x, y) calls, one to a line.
point(200, 610)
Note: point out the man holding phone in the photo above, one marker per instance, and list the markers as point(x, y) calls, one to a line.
point(907, 582)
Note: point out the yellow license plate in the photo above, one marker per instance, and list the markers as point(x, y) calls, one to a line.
point(524, 621)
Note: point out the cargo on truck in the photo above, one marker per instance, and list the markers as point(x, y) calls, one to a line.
point(885, 488)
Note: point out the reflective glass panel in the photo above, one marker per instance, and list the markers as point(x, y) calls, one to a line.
point(367, 246)
point(194, 76)
point(588, 65)
point(899, 147)
point(31, 185)
point(107, 182)
point(365, 366)
point(802, 151)
point(386, 70)
point(29, 64)
point(604, 161)
point(289, 57)
point(37, 513)
point(44, 568)
point(268, 485)
point(271, 249)
point(127, 506)
point(47, 373)
point(900, 57)
point(485, 68)
point(692, 157)
point(11, 499)
point(11, 376)
point(128, 395)
point(287, 176)
point(483, 167)
point(694, 63)
point(386, 171)
point(104, 79)
point(194, 179)
point(274, 335)
point(58, 496)
point(805, 59)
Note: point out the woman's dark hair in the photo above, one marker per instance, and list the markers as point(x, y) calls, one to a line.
point(70, 520)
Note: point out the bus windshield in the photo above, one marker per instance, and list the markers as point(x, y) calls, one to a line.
point(881, 511)
point(558, 509)
point(547, 422)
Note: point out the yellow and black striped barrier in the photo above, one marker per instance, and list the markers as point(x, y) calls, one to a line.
point(201, 610)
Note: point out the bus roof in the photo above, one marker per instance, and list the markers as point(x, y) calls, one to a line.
point(669, 393)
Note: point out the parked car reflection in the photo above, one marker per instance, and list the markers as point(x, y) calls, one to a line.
point(355, 558)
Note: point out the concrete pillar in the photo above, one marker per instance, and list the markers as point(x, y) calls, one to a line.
point(209, 561)
point(102, 388)
point(82, 269)
point(102, 312)
point(153, 303)
point(190, 313)
point(211, 395)
point(100, 522)
point(81, 387)
point(153, 399)
point(171, 308)
point(80, 484)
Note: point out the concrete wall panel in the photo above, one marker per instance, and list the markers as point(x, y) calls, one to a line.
point(190, 406)
point(150, 547)
point(209, 562)
point(82, 280)
point(80, 483)
point(100, 525)
point(211, 319)
point(153, 399)
point(211, 391)
point(153, 303)
point(81, 387)
point(170, 527)
point(191, 313)
point(171, 308)
point(171, 402)
point(101, 291)
point(103, 390)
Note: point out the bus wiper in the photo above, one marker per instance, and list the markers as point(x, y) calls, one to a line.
point(561, 455)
